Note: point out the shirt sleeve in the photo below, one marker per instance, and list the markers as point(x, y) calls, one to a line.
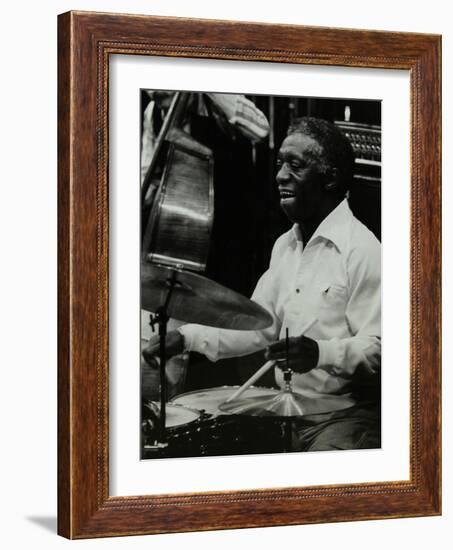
point(359, 354)
point(218, 344)
point(243, 114)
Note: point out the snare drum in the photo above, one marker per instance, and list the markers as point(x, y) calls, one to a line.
point(181, 428)
point(219, 433)
point(209, 400)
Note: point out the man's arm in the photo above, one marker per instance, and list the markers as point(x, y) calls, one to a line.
point(242, 114)
point(218, 344)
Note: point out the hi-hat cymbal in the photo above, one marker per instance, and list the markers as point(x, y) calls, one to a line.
point(285, 404)
point(196, 299)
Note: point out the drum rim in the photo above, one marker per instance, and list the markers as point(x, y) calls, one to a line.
point(182, 407)
point(215, 412)
point(226, 386)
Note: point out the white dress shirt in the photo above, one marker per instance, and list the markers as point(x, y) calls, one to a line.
point(335, 279)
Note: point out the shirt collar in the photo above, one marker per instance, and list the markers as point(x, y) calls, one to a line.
point(332, 227)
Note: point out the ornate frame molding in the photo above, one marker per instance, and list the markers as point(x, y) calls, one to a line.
point(86, 40)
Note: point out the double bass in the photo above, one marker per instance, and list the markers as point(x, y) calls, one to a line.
point(178, 196)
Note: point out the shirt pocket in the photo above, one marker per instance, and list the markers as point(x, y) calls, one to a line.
point(332, 302)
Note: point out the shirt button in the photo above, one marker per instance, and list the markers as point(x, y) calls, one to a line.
point(297, 290)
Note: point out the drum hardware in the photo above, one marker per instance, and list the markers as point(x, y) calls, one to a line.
point(196, 427)
point(197, 299)
point(209, 401)
point(262, 370)
point(174, 292)
point(219, 410)
point(285, 404)
point(161, 318)
point(183, 432)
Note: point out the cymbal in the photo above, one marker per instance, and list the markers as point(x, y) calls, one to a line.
point(196, 299)
point(285, 404)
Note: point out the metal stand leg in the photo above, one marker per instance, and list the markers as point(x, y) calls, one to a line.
point(161, 318)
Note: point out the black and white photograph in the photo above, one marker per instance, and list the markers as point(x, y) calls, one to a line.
point(225, 298)
point(260, 274)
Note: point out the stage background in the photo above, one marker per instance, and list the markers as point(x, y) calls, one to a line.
point(28, 291)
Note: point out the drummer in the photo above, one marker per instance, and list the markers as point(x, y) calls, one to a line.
point(327, 269)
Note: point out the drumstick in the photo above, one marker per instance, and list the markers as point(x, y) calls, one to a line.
point(251, 380)
point(264, 368)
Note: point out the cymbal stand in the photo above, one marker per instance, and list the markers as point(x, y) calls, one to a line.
point(287, 378)
point(288, 421)
point(161, 318)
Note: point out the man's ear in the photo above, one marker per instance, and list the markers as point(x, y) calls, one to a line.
point(331, 183)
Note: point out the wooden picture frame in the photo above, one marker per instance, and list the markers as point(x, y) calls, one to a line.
point(85, 41)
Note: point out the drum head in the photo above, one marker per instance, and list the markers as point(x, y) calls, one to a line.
point(210, 399)
point(175, 414)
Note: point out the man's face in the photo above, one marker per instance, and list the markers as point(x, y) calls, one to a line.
point(301, 178)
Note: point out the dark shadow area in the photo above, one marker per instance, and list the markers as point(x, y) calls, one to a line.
point(49, 523)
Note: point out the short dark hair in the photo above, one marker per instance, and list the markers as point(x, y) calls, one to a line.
point(337, 149)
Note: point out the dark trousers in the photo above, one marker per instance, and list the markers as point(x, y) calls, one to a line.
point(357, 427)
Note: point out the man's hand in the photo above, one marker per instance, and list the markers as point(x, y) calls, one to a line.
point(174, 345)
point(303, 353)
